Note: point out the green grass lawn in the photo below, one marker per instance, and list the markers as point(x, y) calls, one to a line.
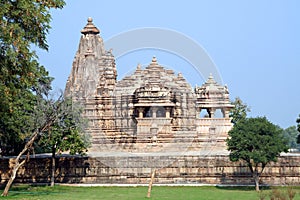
point(26, 192)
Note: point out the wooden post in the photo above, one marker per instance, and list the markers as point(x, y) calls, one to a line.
point(150, 184)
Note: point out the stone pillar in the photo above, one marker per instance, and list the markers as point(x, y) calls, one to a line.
point(168, 109)
point(225, 112)
point(212, 113)
point(154, 110)
point(198, 112)
point(141, 110)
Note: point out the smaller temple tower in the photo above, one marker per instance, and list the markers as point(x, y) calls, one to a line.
point(212, 96)
point(213, 130)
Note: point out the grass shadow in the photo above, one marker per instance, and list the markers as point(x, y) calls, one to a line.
point(242, 188)
point(32, 190)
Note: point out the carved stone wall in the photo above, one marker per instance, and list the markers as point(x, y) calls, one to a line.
point(181, 169)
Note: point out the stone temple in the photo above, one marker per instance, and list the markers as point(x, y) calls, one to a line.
point(150, 122)
point(153, 110)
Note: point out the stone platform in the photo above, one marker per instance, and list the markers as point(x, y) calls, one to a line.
point(135, 168)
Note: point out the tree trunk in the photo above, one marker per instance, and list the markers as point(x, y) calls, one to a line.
point(53, 167)
point(17, 165)
point(256, 179)
point(150, 184)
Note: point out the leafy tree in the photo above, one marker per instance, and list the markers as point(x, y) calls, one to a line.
point(257, 142)
point(57, 122)
point(298, 128)
point(41, 118)
point(23, 23)
point(291, 134)
point(239, 111)
point(298, 124)
point(66, 134)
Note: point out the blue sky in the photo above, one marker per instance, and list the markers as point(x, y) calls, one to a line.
point(255, 45)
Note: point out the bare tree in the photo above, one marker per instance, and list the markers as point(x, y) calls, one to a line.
point(49, 114)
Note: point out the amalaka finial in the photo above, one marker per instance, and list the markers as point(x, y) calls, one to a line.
point(139, 67)
point(90, 27)
point(154, 59)
point(211, 79)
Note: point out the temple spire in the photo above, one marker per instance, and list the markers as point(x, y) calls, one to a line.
point(154, 60)
point(93, 70)
point(211, 79)
point(90, 28)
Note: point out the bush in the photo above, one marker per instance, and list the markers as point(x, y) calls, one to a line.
point(277, 194)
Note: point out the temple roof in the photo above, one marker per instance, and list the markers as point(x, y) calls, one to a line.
point(153, 75)
point(211, 85)
point(90, 27)
point(211, 94)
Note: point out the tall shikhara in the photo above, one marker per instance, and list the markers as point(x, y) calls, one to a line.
point(152, 110)
point(94, 71)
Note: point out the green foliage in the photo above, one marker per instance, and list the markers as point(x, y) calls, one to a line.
point(22, 23)
point(67, 132)
point(298, 128)
point(291, 193)
point(280, 194)
point(239, 111)
point(262, 195)
point(276, 194)
point(256, 141)
point(298, 124)
point(291, 134)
